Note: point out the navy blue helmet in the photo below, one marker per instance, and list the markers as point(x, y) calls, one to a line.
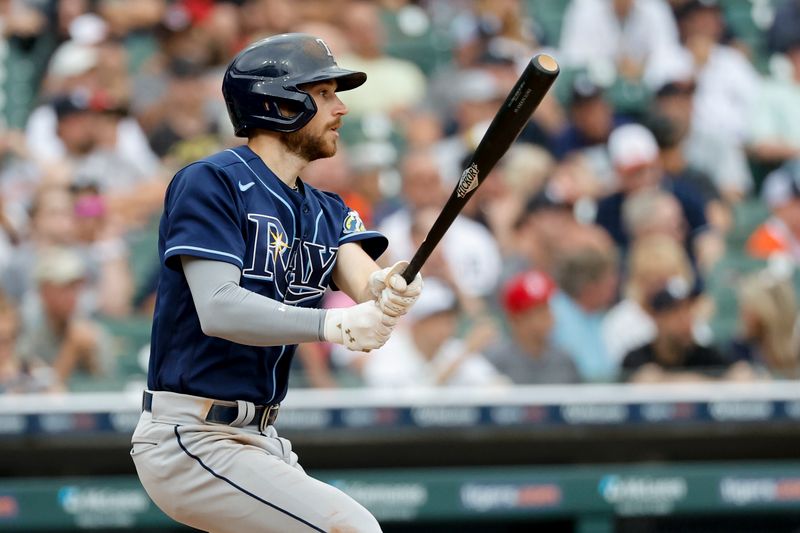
point(269, 72)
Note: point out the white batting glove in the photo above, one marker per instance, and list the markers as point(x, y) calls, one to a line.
point(362, 327)
point(394, 296)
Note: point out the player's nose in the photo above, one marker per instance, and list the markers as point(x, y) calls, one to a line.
point(339, 108)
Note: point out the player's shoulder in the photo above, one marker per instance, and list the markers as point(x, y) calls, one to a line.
point(220, 164)
point(326, 199)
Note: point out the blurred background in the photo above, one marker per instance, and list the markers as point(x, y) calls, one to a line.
point(608, 338)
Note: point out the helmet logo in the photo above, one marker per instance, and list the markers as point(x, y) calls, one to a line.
point(325, 46)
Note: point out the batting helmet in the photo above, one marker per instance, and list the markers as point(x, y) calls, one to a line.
point(267, 74)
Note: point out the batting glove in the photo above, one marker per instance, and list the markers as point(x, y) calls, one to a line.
point(394, 296)
point(362, 327)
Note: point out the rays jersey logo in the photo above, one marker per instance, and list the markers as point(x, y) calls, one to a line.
point(299, 269)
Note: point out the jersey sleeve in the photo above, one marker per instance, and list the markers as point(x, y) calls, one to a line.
point(353, 230)
point(204, 217)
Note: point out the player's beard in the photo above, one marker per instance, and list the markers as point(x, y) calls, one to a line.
point(309, 146)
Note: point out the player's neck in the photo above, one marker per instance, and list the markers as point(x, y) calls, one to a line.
point(284, 164)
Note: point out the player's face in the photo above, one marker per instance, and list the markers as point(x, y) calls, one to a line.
point(318, 139)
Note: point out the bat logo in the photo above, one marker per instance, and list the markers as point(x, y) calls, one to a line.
point(468, 181)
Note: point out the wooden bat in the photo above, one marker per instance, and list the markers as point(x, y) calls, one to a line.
point(524, 98)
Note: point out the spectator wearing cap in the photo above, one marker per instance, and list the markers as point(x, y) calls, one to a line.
point(767, 336)
point(54, 331)
point(780, 233)
point(425, 352)
point(673, 354)
point(591, 120)
point(586, 272)
point(527, 355)
point(774, 134)
point(635, 38)
point(700, 147)
point(635, 156)
point(653, 260)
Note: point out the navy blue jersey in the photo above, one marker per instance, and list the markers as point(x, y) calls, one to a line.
point(230, 207)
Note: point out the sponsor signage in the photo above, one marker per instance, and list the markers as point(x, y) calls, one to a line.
point(99, 507)
point(744, 491)
point(485, 498)
point(445, 416)
point(509, 415)
point(369, 417)
point(743, 411)
point(595, 413)
point(387, 501)
point(668, 412)
point(304, 418)
point(13, 424)
point(639, 495)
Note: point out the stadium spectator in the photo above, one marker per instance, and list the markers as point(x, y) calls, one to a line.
point(539, 233)
point(673, 355)
point(727, 83)
point(493, 31)
point(767, 316)
point(426, 352)
point(527, 355)
point(774, 135)
point(653, 212)
point(17, 376)
point(703, 148)
point(51, 223)
point(587, 276)
point(523, 171)
point(184, 114)
point(8, 236)
point(54, 330)
point(469, 249)
point(591, 120)
point(634, 153)
point(396, 85)
point(101, 242)
point(653, 260)
point(785, 23)
point(471, 98)
point(636, 38)
point(780, 233)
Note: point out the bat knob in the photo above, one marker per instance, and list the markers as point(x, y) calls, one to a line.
point(546, 63)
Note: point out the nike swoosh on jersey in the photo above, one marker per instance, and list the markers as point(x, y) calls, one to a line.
point(244, 186)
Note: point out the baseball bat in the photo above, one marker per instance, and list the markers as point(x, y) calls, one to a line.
point(519, 105)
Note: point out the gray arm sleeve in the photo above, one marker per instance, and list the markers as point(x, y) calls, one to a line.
point(231, 312)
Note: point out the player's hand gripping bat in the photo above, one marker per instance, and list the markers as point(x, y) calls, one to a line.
point(506, 125)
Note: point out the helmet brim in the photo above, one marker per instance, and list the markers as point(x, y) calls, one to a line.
point(345, 79)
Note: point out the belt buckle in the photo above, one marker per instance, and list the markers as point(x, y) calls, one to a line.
point(268, 416)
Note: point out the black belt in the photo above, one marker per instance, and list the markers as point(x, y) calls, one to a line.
point(219, 413)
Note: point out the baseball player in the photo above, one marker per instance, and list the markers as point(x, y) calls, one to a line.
point(247, 251)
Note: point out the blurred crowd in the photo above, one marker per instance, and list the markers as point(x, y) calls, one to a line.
point(599, 249)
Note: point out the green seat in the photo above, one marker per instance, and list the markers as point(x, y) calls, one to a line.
point(549, 15)
point(429, 49)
